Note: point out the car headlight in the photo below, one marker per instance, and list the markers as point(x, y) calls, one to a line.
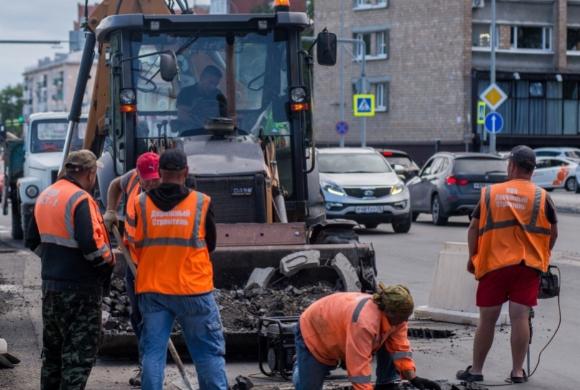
point(32, 191)
point(397, 189)
point(334, 189)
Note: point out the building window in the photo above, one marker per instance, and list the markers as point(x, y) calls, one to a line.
point(539, 107)
point(531, 38)
point(573, 43)
point(481, 35)
point(381, 43)
point(376, 45)
point(369, 4)
point(381, 91)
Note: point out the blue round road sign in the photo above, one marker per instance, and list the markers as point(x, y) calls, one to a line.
point(494, 123)
point(342, 128)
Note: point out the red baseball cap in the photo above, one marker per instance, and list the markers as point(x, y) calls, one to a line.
point(148, 166)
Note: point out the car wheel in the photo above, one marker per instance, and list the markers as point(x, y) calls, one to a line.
point(404, 226)
point(436, 212)
point(371, 225)
point(571, 184)
point(414, 216)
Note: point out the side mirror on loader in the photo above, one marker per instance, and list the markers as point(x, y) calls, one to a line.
point(326, 48)
point(168, 66)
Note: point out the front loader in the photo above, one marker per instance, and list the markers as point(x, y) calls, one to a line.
point(257, 162)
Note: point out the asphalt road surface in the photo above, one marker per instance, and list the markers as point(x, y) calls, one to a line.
point(407, 258)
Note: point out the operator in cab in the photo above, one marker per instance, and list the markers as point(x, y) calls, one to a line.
point(348, 329)
point(199, 102)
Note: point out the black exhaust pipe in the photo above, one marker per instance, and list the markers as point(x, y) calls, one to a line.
point(82, 79)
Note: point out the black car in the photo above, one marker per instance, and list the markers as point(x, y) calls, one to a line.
point(450, 183)
point(401, 162)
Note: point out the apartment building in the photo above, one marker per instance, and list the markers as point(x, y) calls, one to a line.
point(538, 66)
point(428, 61)
point(418, 64)
point(49, 84)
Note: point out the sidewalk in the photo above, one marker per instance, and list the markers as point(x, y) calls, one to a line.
point(566, 202)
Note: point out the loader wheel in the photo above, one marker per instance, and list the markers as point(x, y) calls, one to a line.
point(336, 236)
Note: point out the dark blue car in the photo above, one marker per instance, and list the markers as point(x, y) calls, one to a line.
point(450, 183)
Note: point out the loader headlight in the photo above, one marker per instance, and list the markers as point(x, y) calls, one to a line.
point(32, 191)
point(298, 95)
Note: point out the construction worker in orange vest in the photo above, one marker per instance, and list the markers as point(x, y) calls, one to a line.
point(174, 235)
point(511, 235)
point(77, 262)
point(144, 178)
point(350, 328)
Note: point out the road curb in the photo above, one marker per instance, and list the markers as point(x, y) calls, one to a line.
point(568, 209)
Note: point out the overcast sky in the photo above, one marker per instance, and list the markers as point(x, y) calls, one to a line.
point(34, 19)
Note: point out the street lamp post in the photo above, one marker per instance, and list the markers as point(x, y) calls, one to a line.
point(362, 46)
point(492, 140)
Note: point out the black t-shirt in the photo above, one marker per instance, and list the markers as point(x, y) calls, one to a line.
point(550, 211)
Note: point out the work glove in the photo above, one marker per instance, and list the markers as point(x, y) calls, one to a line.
point(422, 384)
point(110, 219)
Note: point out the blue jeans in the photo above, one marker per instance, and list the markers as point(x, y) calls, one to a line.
point(135, 317)
point(202, 329)
point(309, 373)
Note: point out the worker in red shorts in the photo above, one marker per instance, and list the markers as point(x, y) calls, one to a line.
point(510, 238)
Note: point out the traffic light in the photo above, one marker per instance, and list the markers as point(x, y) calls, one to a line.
point(20, 120)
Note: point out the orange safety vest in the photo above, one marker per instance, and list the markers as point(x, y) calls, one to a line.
point(349, 327)
point(513, 227)
point(170, 245)
point(54, 213)
point(132, 189)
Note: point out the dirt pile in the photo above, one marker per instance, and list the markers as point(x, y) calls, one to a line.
point(241, 309)
point(116, 309)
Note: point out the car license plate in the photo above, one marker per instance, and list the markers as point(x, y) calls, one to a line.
point(478, 186)
point(369, 209)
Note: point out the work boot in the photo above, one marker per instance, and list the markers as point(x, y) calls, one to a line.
point(135, 381)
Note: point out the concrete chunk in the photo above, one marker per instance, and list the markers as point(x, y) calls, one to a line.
point(346, 272)
point(260, 278)
point(294, 262)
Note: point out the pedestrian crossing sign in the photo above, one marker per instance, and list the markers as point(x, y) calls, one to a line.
point(364, 105)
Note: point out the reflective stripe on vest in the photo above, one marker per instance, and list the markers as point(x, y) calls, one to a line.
point(358, 309)
point(401, 355)
point(531, 227)
point(194, 241)
point(69, 241)
point(360, 379)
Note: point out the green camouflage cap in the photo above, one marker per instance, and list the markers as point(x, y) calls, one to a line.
point(80, 160)
point(394, 300)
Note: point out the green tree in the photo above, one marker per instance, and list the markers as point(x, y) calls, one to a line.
point(11, 106)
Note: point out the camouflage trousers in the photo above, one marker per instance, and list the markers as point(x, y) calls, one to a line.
point(72, 327)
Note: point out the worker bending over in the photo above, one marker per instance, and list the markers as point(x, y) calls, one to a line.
point(144, 178)
point(77, 262)
point(174, 235)
point(350, 328)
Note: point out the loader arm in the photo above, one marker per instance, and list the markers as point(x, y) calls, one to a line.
point(96, 124)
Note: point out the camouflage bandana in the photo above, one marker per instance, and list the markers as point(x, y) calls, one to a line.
point(394, 300)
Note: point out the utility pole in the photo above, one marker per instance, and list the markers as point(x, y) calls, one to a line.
point(341, 71)
point(492, 141)
point(361, 45)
